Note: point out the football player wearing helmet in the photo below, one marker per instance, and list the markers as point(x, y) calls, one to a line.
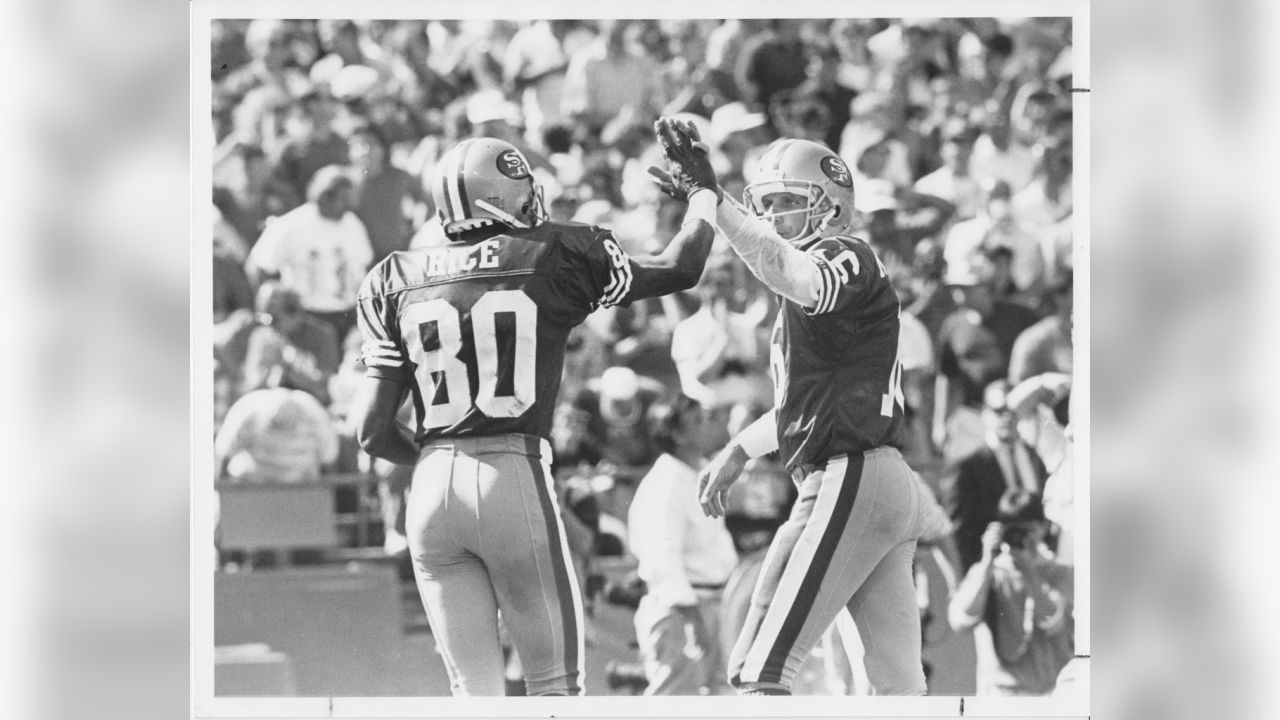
point(838, 408)
point(475, 333)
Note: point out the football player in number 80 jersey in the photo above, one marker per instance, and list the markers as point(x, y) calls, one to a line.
point(852, 532)
point(475, 333)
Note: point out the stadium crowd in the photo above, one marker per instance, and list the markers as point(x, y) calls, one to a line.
point(960, 135)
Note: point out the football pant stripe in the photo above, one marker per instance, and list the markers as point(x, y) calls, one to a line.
point(567, 594)
point(806, 567)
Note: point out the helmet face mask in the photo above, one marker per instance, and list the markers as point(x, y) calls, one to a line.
point(814, 173)
point(483, 181)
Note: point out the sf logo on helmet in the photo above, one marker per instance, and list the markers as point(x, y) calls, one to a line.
point(513, 165)
point(835, 169)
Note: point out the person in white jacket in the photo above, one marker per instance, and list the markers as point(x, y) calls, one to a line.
point(684, 557)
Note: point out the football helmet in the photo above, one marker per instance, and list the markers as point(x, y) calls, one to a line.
point(481, 181)
point(813, 171)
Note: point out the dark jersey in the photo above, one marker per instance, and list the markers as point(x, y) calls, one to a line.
point(478, 331)
point(837, 380)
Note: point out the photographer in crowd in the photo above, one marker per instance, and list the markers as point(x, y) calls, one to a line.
point(1018, 599)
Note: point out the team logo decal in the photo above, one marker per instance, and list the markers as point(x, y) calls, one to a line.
point(513, 165)
point(835, 169)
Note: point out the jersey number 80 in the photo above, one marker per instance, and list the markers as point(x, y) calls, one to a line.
point(442, 360)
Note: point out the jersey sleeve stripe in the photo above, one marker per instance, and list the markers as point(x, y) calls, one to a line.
point(374, 361)
point(828, 288)
point(619, 285)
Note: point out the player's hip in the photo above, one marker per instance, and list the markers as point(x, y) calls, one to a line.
point(875, 485)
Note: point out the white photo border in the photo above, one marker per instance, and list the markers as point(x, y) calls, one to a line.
point(206, 705)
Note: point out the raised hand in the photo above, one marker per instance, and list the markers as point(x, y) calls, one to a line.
point(688, 160)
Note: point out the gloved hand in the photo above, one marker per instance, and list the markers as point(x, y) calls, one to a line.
point(688, 161)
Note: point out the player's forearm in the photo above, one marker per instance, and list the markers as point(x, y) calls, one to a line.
point(394, 443)
point(680, 265)
point(760, 437)
point(784, 269)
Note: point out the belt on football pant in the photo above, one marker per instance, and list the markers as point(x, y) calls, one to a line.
point(800, 472)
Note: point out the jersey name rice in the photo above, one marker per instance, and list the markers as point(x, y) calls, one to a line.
point(837, 379)
point(478, 330)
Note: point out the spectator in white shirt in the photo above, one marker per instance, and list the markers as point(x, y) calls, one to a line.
point(953, 182)
point(998, 155)
point(276, 435)
point(321, 250)
point(684, 557)
point(716, 350)
point(998, 226)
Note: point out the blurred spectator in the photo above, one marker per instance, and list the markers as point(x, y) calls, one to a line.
point(288, 348)
point(684, 557)
point(771, 61)
point(609, 78)
point(256, 196)
point(953, 182)
point(320, 250)
point(715, 349)
point(610, 422)
point(275, 435)
point(692, 85)
point(998, 226)
point(311, 143)
point(1022, 598)
point(534, 69)
point(1046, 201)
point(974, 343)
point(973, 483)
point(896, 221)
point(388, 199)
point(1046, 346)
point(929, 300)
point(997, 156)
point(231, 289)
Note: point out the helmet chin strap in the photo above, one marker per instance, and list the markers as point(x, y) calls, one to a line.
point(502, 215)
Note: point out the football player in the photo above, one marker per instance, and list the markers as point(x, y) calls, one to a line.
point(852, 533)
point(475, 332)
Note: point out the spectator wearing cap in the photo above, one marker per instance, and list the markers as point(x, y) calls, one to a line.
point(953, 181)
point(896, 220)
point(314, 145)
point(683, 557)
point(388, 199)
point(1019, 599)
point(608, 78)
point(320, 250)
point(275, 435)
point(615, 408)
point(998, 226)
point(977, 476)
point(970, 286)
point(288, 348)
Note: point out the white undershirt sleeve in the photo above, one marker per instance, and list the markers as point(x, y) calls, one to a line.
point(760, 437)
point(787, 271)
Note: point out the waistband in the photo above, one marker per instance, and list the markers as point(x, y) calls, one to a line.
point(512, 443)
point(800, 472)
